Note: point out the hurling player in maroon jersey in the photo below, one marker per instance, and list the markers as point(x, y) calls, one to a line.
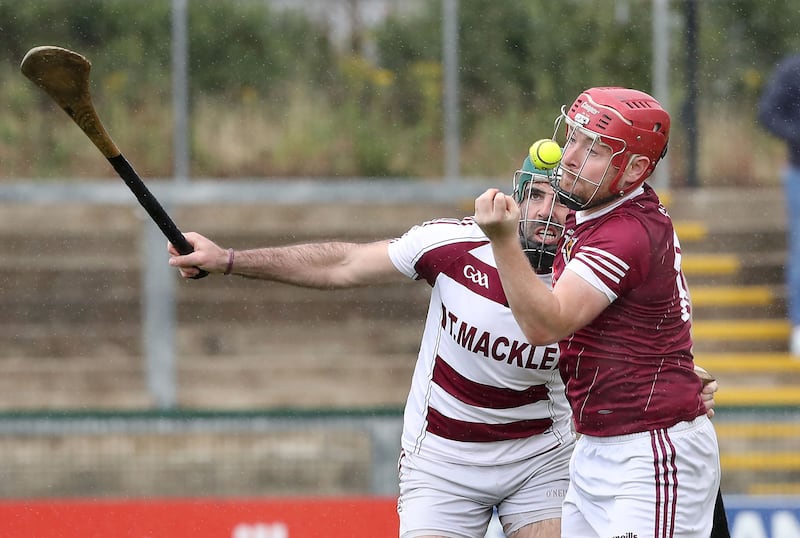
point(647, 462)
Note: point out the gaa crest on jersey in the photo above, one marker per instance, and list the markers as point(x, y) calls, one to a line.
point(478, 277)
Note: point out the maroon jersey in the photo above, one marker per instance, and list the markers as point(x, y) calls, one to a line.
point(631, 368)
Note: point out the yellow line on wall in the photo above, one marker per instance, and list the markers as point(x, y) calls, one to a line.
point(690, 231)
point(775, 488)
point(761, 461)
point(762, 430)
point(741, 329)
point(710, 264)
point(758, 396)
point(747, 362)
point(731, 295)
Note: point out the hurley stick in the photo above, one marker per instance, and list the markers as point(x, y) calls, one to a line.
point(64, 76)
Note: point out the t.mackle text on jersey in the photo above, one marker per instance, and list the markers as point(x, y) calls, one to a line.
point(499, 347)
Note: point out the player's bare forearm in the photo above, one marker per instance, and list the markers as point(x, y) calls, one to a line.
point(531, 301)
point(317, 265)
point(533, 305)
point(324, 265)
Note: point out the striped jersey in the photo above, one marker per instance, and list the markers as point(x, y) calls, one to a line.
point(631, 368)
point(480, 393)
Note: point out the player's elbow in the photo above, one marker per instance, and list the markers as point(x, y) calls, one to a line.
point(538, 335)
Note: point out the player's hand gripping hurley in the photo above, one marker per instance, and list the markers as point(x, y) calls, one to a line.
point(64, 76)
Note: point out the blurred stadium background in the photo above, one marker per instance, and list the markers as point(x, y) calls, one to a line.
point(261, 122)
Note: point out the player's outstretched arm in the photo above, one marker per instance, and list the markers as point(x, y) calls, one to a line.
point(325, 265)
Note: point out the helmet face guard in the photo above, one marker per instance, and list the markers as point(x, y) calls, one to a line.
point(629, 122)
point(539, 230)
point(568, 196)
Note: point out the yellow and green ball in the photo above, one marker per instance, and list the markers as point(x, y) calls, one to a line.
point(545, 154)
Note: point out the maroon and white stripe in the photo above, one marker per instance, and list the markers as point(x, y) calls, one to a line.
point(666, 483)
point(605, 263)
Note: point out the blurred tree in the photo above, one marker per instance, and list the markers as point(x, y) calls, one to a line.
point(244, 44)
point(377, 103)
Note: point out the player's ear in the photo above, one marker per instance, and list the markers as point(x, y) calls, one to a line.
point(634, 172)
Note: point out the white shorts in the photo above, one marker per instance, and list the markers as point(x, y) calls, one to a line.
point(658, 484)
point(455, 500)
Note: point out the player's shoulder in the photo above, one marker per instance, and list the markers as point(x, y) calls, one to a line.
point(622, 222)
point(453, 228)
point(450, 221)
point(645, 209)
point(440, 232)
point(628, 226)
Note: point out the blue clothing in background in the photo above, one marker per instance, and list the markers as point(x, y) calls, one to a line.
point(779, 113)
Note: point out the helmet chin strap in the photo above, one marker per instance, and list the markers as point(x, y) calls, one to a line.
point(577, 205)
point(566, 199)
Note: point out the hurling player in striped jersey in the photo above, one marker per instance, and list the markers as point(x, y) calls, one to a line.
point(647, 462)
point(486, 424)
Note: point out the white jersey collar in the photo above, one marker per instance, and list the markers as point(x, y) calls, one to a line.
point(582, 216)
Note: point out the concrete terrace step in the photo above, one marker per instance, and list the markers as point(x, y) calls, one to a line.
point(733, 431)
point(711, 302)
point(759, 396)
point(734, 268)
point(750, 210)
point(766, 449)
point(757, 335)
point(774, 488)
point(691, 231)
point(703, 296)
point(290, 335)
point(760, 461)
point(754, 481)
point(300, 462)
point(58, 339)
point(747, 370)
point(248, 300)
point(748, 362)
point(113, 381)
point(758, 468)
point(757, 369)
point(212, 388)
point(289, 339)
point(334, 380)
point(697, 236)
point(741, 329)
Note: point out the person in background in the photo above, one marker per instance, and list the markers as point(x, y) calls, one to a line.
point(779, 113)
point(647, 461)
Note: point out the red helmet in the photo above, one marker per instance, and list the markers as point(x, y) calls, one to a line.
point(631, 122)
